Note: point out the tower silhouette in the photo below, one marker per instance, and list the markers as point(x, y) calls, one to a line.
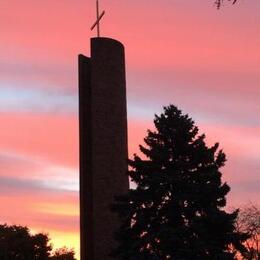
point(103, 144)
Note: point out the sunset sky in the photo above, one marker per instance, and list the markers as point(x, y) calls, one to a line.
point(188, 53)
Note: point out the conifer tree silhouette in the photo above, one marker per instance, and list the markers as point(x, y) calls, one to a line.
point(176, 211)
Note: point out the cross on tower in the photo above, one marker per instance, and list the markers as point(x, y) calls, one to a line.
point(97, 22)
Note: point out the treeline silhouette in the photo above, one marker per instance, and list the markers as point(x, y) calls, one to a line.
point(17, 243)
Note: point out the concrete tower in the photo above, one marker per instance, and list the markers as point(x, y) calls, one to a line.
point(103, 144)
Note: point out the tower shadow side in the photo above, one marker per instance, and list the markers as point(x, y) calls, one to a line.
point(103, 145)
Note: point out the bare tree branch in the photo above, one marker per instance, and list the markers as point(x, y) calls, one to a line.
point(220, 2)
point(248, 221)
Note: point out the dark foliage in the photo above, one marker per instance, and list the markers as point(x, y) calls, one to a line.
point(176, 212)
point(63, 254)
point(16, 243)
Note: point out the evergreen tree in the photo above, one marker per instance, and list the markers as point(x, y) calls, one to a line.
point(176, 211)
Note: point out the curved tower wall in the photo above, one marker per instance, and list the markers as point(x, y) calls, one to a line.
point(103, 144)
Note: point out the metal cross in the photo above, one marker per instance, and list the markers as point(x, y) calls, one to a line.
point(97, 22)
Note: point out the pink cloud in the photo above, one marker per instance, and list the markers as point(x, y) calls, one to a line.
point(49, 137)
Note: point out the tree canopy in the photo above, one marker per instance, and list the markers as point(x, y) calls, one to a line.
point(17, 243)
point(176, 211)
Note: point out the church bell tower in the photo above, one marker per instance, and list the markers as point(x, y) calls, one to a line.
point(103, 144)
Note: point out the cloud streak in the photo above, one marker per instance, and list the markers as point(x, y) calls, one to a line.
point(24, 100)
